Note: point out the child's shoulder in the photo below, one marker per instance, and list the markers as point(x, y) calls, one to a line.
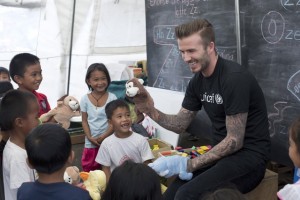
point(110, 138)
point(10, 145)
point(13, 149)
point(136, 135)
point(289, 190)
point(111, 96)
point(39, 95)
point(76, 192)
point(63, 190)
point(137, 138)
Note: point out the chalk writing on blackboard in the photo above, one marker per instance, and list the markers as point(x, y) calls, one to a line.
point(182, 8)
point(272, 27)
point(276, 118)
point(291, 5)
point(165, 35)
point(294, 85)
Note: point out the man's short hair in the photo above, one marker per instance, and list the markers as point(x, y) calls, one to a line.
point(14, 104)
point(201, 26)
point(113, 105)
point(19, 63)
point(48, 148)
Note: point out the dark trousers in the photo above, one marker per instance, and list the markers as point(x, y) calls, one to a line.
point(243, 169)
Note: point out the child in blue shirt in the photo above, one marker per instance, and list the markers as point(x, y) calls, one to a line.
point(94, 121)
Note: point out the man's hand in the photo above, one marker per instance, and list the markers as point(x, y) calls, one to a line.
point(143, 101)
point(172, 165)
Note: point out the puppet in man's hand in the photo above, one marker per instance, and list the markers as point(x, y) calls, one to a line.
point(131, 91)
point(170, 166)
point(142, 99)
point(67, 107)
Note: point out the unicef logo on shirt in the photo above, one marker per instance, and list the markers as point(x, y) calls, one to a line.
point(218, 99)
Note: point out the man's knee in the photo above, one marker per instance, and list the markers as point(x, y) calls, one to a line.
point(187, 192)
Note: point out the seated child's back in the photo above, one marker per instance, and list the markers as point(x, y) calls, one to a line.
point(49, 152)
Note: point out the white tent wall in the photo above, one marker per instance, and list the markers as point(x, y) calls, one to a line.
point(44, 28)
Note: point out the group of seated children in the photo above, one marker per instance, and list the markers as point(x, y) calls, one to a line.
point(48, 152)
point(35, 156)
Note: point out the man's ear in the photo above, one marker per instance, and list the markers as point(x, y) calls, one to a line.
point(211, 47)
point(29, 164)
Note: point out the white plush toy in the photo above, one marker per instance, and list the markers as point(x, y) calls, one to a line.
point(132, 91)
point(71, 175)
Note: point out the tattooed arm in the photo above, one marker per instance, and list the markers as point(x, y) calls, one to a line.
point(176, 123)
point(235, 125)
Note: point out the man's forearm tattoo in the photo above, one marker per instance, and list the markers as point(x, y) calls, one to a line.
point(235, 125)
point(176, 123)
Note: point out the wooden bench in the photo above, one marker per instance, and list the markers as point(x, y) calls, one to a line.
point(267, 189)
point(77, 147)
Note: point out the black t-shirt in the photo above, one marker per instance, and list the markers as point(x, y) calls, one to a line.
point(231, 89)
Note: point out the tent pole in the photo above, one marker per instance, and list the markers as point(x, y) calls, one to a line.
point(71, 48)
point(238, 32)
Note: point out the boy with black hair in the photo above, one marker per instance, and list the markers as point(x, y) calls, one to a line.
point(123, 144)
point(49, 151)
point(18, 115)
point(4, 87)
point(4, 74)
point(25, 70)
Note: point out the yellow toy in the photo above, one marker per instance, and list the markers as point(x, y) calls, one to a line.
point(94, 182)
point(155, 147)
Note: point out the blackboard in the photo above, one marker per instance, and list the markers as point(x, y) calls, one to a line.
point(166, 68)
point(273, 55)
point(269, 48)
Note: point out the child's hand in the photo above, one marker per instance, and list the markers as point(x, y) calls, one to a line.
point(94, 141)
point(100, 139)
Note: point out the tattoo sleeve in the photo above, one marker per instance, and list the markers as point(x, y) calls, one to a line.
point(176, 123)
point(235, 125)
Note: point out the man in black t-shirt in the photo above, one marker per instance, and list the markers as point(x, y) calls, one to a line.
point(236, 106)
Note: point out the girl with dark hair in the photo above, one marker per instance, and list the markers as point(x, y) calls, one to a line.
point(292, 191)
point(133, 181)
point(94, 121)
